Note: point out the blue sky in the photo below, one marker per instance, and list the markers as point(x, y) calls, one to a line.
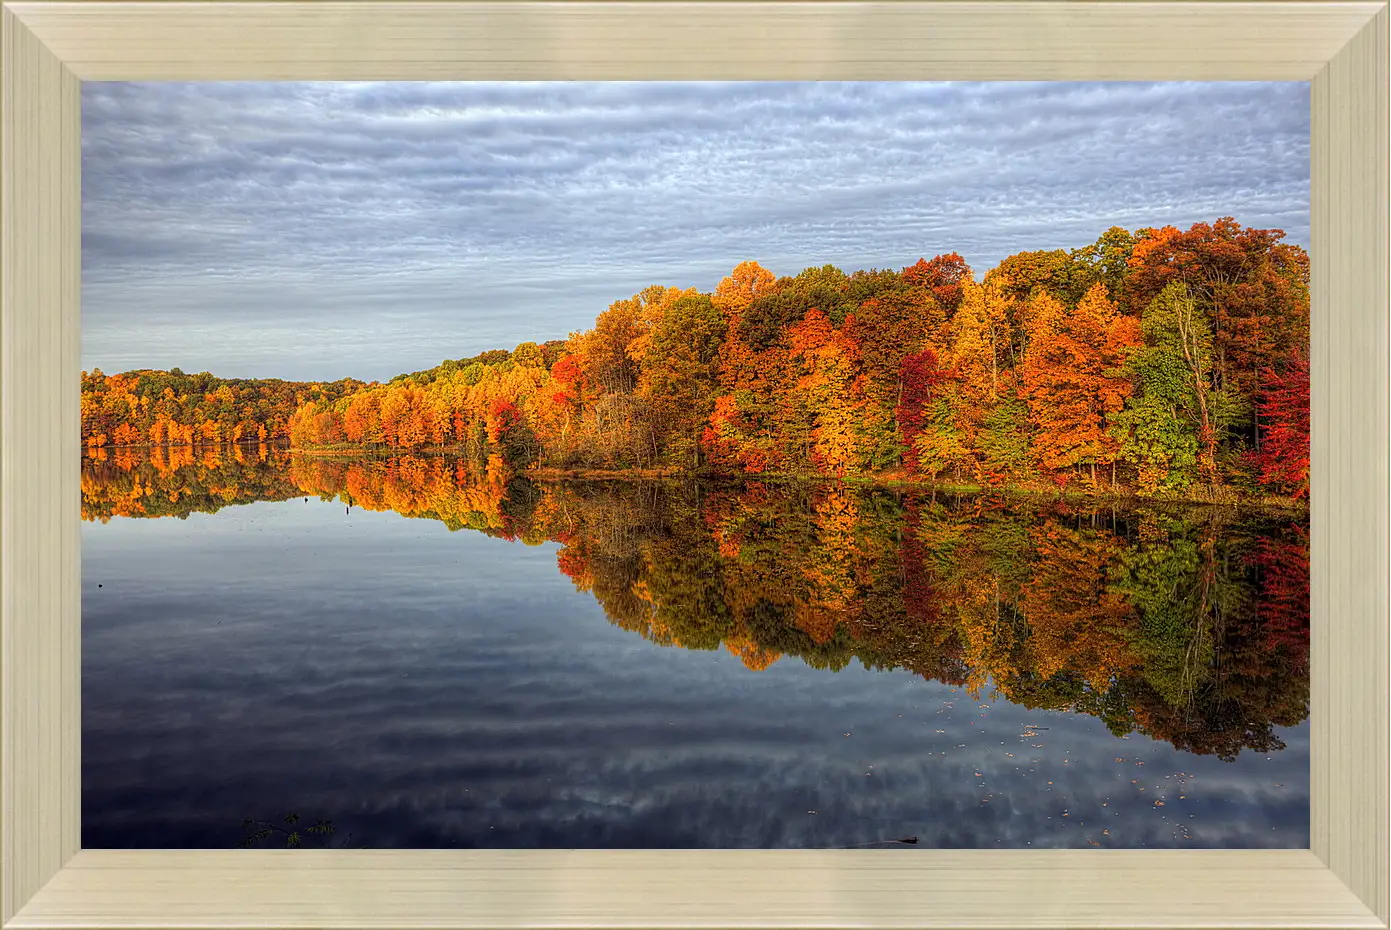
point(315, 231)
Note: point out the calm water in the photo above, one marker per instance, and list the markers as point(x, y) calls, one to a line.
point(431, 657)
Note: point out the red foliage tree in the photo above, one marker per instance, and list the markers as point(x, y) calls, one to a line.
point(1283, 458)
point(921, 375)
point(943, 276)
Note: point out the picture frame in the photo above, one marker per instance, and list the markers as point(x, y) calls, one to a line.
point(49, 48)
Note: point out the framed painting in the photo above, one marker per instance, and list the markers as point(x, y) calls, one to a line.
point(49, 434)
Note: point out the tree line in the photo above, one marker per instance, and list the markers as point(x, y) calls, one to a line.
point(1159, 362)
point(149, 407)
point(1188, 625)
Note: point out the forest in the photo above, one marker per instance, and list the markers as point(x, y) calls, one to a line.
point(1187, 624)
point(1160, 363)
point(171, 408)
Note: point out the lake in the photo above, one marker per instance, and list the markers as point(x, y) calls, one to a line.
point(429, 655)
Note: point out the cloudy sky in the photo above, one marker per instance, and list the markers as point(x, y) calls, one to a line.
point(315, 231)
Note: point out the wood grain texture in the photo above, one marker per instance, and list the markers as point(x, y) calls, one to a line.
point(1342, 881)
point(40, 224)
point(879, 888)
point(1350, 694)
point(897, 40)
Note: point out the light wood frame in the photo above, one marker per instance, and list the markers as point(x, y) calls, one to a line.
point(46, 880)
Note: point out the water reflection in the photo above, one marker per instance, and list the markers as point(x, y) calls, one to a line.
point(1185, 625)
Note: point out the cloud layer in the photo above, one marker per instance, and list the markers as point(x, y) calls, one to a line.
point(323, 230)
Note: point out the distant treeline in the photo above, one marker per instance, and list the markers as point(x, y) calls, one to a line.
point(1160, 362)
point(171, 408)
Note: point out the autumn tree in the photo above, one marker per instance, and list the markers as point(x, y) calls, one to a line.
point(927, 416)
point(901, 319)
point(979, 355)
point(1073, 378)
point(826, 396)
point(1251, 287)
point(1173, 420)
point(736, 291)
point(748, 422)
point(1105, 261)
point(944, 276)
point(1283, 458)
point(679, 378)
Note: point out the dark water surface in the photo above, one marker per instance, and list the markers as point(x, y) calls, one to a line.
point(430, 657)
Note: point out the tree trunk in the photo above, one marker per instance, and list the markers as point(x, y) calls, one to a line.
point(1256, 414)
point(1207, 436)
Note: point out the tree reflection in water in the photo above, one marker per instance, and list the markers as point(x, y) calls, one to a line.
point(1189, 625)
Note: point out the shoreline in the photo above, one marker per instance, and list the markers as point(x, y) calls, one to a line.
point(898, 483)
point(890, 481)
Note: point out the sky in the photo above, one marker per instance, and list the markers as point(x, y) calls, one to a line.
point(315, 231)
